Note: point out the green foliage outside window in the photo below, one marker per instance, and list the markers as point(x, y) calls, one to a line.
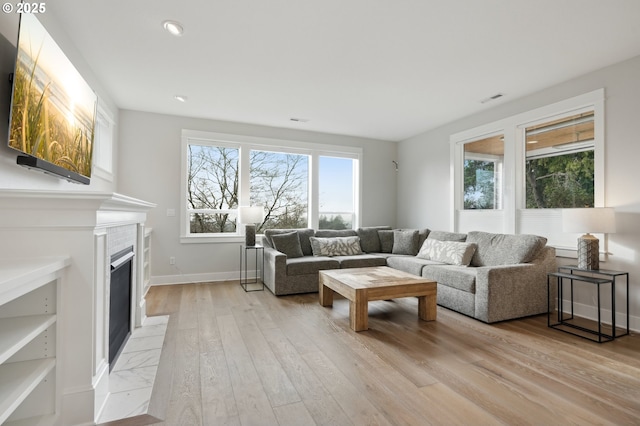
point(563, 181)
point(479, 184)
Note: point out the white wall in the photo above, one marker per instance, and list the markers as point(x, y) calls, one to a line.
point(15, 177)
point(424, 187)
point(149, 169)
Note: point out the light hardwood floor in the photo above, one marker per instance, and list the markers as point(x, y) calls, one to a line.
point(236, 358)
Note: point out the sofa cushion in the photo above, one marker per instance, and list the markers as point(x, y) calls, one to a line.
point(450, 252)
point(410, 264)
point(310, 265)
point(504, 249)
point(405, 242)
point(369, 239)
point(332, 233)
point(288, 244)
point(337, 246)
point(360, 261)
point(447, 236)
point(386, 240)
point(303, 235)
point(454, 276)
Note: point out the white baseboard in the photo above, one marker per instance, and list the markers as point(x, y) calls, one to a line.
point(196, 278)
point(591, 313)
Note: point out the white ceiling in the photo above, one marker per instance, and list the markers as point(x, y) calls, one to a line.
point(385, 69)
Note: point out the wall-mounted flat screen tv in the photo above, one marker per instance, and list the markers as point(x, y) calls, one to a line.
point(53, 108)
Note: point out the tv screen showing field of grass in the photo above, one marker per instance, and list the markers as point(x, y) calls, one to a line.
point(53, 108)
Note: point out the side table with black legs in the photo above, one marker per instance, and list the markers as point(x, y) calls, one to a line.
point(247, 253)
point(600, 277)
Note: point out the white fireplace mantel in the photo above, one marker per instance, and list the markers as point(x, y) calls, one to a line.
point(19, 209)
point(82, 226)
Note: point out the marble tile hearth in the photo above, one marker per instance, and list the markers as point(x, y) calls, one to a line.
point(132, 378)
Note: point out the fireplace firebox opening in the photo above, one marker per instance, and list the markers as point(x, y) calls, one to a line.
point(120, 302)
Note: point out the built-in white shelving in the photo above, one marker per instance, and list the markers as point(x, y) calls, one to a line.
point(29, 299)
point(146, 273)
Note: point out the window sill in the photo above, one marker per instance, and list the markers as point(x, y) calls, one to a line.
point(208, 239)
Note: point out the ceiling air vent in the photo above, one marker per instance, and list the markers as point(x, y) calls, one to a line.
point(492, 98)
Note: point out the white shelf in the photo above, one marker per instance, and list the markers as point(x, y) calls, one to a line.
point(29, 301)
point(47, 419)
point(20, 276)
point(18, 379)
point(16, 332)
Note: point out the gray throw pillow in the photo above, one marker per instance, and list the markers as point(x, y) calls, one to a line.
point(369, 239)
point(405, 242)
point(303, 235)
point(288, 244)
point(386, 240)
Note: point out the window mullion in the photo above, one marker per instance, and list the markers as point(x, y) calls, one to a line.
point(244, 196)
point(314, 191)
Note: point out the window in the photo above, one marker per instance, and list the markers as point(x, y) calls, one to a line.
point(212, 189)
point(300, 185)
point(559, 168)
point(336, 188)
point(280, 183)
point(483, 161)
point(516, 174)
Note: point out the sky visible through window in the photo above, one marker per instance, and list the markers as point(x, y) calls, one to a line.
point(336, 184)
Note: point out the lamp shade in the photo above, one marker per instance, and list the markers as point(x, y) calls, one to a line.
point(253, 214)
point(597, 220)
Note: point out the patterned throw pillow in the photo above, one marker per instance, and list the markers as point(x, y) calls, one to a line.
point(450, 252)
point(337, 246)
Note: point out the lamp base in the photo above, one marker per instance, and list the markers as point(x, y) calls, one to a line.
point(250, 235)
point(588, 252)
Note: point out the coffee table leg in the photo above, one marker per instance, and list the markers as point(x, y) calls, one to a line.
point(359, 311)
point(427, 308)
point(325, 296)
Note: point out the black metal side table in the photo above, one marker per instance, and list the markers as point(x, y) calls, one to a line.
point(257, 282)
point(565, 323)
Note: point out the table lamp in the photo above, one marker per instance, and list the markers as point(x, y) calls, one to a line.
point(599, 220)
point(249, 216)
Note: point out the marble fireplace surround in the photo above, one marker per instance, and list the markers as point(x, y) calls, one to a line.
point(88, 227)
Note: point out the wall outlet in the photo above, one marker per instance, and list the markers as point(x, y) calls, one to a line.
point(172, 260)
point(171, 212)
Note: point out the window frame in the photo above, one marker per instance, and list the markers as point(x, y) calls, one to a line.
point(514, 217)
point(498, 174)
point(245, 144)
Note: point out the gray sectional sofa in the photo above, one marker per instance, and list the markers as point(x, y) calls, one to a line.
point(487, 276)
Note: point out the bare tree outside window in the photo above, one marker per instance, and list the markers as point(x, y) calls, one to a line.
point(279, 182)
point(212, 185)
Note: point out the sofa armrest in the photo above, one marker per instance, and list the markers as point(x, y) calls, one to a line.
point(275, 267)
point(512, 291)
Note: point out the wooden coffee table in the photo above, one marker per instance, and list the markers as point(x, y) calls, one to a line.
point(360, 285)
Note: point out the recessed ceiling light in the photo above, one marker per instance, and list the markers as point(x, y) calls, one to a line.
point(180, 98)
point(299, 120)
point(174, 27)
point(532, 142)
